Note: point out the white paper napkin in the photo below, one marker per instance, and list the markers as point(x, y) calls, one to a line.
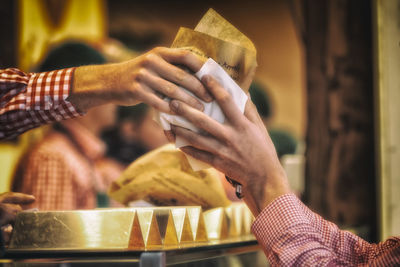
point(212, 109)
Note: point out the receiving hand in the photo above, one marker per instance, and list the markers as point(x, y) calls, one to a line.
point(241, 148)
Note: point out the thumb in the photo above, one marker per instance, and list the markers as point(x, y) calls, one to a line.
point(250, 111)
point(17, 198)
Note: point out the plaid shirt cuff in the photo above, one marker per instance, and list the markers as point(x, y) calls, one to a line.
point(283, 214)
point(48, 91)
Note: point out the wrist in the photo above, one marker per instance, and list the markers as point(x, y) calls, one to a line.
point(276, 186)
point(92, 86)
point(261, 191)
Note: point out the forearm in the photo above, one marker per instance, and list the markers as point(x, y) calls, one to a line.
point(142, 79)
point(30, 100)
point(261, 191)
point(291, 234)
point(94, 86)
point(241, 148)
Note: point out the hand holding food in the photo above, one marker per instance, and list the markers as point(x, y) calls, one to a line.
point(241, 148)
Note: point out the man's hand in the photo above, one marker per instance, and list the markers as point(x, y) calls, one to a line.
point(10, 205)
point(147, 78)
point(241, 148)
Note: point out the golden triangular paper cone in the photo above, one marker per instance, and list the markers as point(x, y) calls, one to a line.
point(197, 224)
point(216, 224)
point(154, 237)
point(136, 238)
point(149, 228)
point(201, 235)
point(182, 225)
point(248, 219)
point(166, 227)
point(236, 227)
point(232, 231)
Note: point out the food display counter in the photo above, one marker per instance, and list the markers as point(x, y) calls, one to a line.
point(158, 236)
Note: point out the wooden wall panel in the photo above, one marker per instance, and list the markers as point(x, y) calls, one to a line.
point(340, 133)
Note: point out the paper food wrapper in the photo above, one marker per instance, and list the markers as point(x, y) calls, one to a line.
point(214, 37)
point(212, 109)
point(217, 39)
point(164, 177)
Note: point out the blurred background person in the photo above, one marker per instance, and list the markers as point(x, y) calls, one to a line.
point(135, 134)
point(68, 169)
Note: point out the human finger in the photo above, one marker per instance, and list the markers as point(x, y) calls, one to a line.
point(170, 89)
point(224, 99)
point(170, 136)
point(7, 231)
point(204, 156)
point(199, 119)
point(148, 96)
point(250, 112)
point(197, 140)
point(8, 213)
point(252, 115)
point(182, 57)
point(180, 77)
point(16, 198)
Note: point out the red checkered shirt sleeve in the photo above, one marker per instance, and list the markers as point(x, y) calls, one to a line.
point(293, 235)
point(30, 100)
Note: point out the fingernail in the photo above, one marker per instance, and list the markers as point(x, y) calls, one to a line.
point(199, 106)
point(173, 128)
point(208, 97)
point(206, 79)
point(174, 105)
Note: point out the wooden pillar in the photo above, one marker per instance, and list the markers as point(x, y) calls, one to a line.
point(340, 166)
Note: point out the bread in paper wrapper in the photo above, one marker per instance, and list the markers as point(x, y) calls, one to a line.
point(215, 38)
point(164, 177)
